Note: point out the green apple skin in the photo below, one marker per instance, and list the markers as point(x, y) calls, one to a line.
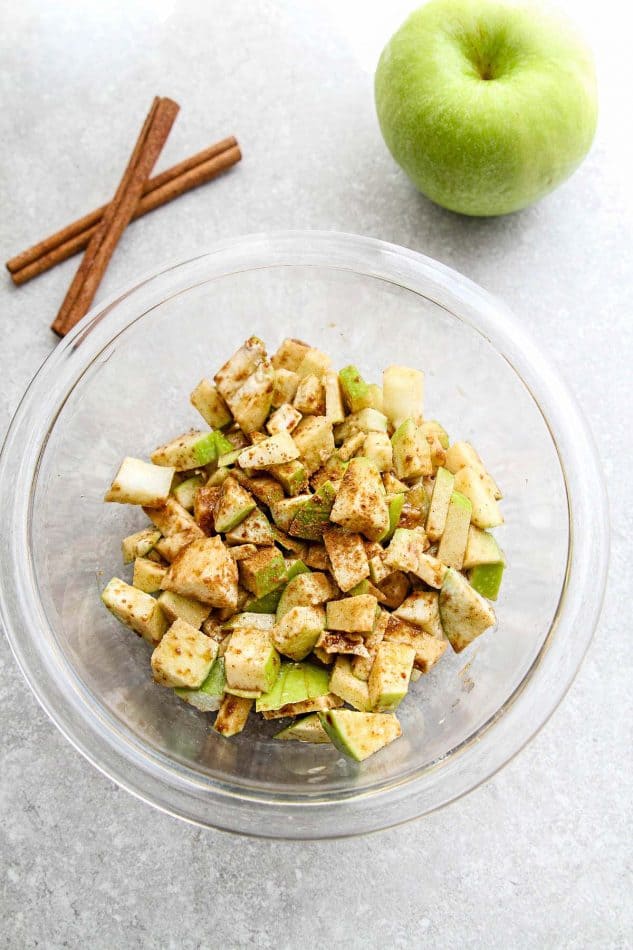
point(486, 105)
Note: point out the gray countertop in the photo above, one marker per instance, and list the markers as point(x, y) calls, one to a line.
point(540, 855)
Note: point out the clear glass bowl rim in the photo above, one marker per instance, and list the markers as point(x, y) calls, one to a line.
point(176, 789)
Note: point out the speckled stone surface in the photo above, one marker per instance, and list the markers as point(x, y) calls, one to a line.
point(538, 857)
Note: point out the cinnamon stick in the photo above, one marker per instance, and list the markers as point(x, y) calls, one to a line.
point(118, 214)
point(175, 181)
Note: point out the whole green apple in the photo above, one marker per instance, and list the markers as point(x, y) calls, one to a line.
point(486, 105)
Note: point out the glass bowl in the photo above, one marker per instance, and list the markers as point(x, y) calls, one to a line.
point(119, 384)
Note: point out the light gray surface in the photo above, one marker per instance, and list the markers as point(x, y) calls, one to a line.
point(538, 857)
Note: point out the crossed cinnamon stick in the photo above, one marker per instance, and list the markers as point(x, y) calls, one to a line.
point(137, 194)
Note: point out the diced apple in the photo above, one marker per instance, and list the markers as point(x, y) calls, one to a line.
point(393, 485)
point(298, 630)
point(361, 666)
point(352, 614)
point(139, 544)
point(176, 607)
point(360, 503)
point(422, 610)
point(348, 558)
point(251, 661)
point(455, 536)
point(432, 428)
point(263, 605)
point(306, 729)
point(317, 558)
point(263, 572)
point(378, 570)
point(311, 518)
point(461, 455)
point(314, 441)
point(352, 445)
point(486, 579)
point(406, 548)
point(438, 442)
point(296, 683)
point(190, 450)
point(314, 363)
point(390, 674)
point(310, 396)
point(140, 483)
point(183, 657)
point(185, 492)
point(340, 641)
point(365, 420)
point(232, 715)
point(334, 410)
point(306, 590)
point(284, 388)
point(320, 703)
point(204, 571)
point(403, 394)
point(440, 500)
point(239, 367)
point(293, 546)
point(226, 461)
point(396, 512)
point(264, 488)
point(376, 397)
point(464, 613)
point(169, 548)
point(327, 659)
point(251, 402)
point(255, 529)
point(210, 405)
point(431, 570)
point(418, 496)
point(428, 648)
point(274, 450)
point(411, 451)
point(485, 510)
point(208, 696)
point(250, 619)
point(284, 419)
point(481, 548)
point(410, 517)
point(328, 473)
point(240, 552)
point(135, 609)
point(355, 390)
point(292, 476)
point(148, 575)
point(205, 503)
point(350, 688)
point(359, 734)
point(377, 448)
point(284, 511)
point(290, 354)
point(394, 589)
point(171, 518)
point(233, 506)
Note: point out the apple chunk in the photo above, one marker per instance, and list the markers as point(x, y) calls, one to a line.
point(141, 483)
point(204, 571)
point(464, 613)
point(360, 502)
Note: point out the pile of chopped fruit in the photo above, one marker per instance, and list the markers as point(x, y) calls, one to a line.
point(318, 547)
